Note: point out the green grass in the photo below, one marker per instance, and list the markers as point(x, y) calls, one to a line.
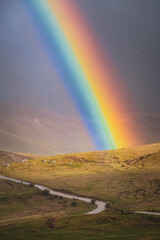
point(102, 226)
point(18, 200)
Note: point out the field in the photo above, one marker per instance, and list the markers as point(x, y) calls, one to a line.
point(128, 178)
point(106, 226)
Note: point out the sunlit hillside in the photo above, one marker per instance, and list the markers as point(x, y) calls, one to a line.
point(126, 177)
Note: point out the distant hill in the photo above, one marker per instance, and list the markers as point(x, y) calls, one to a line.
point(28, 128)
point(34, 129)
point(8, 157)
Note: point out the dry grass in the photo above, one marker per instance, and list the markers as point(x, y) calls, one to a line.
point(18, 201)
point(128, 177)
point(9, 157)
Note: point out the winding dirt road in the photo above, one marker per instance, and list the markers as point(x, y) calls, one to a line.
point(100, 204)
point(150, 213)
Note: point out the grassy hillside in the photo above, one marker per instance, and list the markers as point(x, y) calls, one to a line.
point(105, 226)
point(8, 157)
point(18, 201)
point(127, 177)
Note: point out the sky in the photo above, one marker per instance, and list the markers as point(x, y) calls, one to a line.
point(128, 31)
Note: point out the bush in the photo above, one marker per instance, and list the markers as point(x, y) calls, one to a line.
point(31, 184)
point(93, 201)
point(45, 192)
point(122, 212)
point(107, 205)
point(73, 204)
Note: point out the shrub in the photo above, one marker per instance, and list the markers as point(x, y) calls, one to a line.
point(93, 201)
point(45, 192)
point(107, 205)
point(122, 211)
point(31, 184)
point(73, 204)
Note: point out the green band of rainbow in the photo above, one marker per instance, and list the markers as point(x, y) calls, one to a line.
point(76, 56)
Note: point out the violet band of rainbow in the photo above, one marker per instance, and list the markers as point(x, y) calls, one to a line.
point(75, 54)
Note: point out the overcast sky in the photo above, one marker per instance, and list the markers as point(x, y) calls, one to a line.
point(128, 30)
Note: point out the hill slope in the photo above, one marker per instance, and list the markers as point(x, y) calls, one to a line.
point(128, 177)
point(8, 157)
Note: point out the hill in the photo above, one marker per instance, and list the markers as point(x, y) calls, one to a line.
point(18, 201)
point(127, 177)
point(9, 157)
point(34, 129)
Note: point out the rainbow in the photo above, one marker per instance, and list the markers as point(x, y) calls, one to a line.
point(83, 68)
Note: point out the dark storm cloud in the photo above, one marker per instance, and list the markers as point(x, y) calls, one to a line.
point(129, 31)
point(25, 69)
